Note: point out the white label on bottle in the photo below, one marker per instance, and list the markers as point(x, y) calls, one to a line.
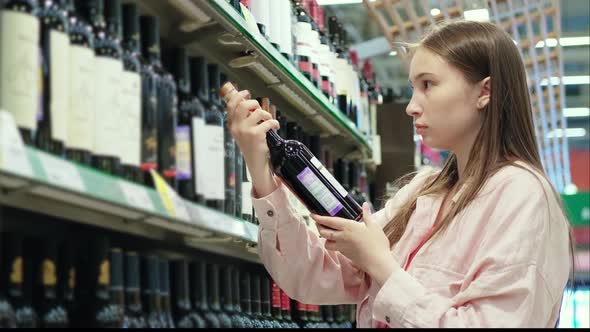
point(318, 190)
point(107, 106)
point(329, 177)
point(214, 187)
point(13, 156)
point(183, 153)
point(60, 84)
point(130, 119)
point(136, 196)
point(61, 173)
point(20, 73)
point(82, 92)
point(246, 197)
point(199, 156)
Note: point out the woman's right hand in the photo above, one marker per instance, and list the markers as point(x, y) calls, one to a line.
point(248, 124)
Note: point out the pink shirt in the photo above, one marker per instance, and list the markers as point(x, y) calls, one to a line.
point(503, 262)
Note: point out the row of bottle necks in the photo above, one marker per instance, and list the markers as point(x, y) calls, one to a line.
point(46, 283)
point(107, 100)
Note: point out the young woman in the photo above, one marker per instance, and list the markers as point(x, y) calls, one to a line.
point(482, 242)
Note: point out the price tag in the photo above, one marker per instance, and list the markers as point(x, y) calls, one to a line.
point(13, 155)
point(173, 203)
point(136, 196)
point(61, 173)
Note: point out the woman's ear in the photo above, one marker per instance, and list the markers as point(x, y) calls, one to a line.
point(484, 95)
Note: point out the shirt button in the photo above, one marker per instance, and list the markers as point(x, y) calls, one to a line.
point(387, 319)
point(270, 213)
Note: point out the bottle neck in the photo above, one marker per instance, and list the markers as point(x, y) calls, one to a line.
point(118, 296)
point(132, 297)
point(273, 139)
point(214, 303)
point(236, 291)
point(227, 295)
point(200, 292)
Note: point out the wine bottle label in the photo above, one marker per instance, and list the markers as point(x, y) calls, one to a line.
point(49, 274)
point(183, 153)
point(16, 273)
point(82, 92)
point(199, 156)
point(107, 101)
point(276, 296)
point(329, 177)
point(319, 191)
point(60, 83)
point(104, 274)
point(285, 301)
point(214, 171)
point(72, 278)
point(131, 118)
point(19, 67)
point(246, 198)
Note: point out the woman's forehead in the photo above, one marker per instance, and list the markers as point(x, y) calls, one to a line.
point(425, 61)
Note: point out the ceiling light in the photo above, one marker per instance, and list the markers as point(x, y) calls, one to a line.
point(434, 11)
point(576, 112)
point(565, 41)
point(570, 132)
point(393, 53)
point(568, 80)
point(480, 15)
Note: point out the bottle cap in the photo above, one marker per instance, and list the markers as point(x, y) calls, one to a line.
point(226, 91)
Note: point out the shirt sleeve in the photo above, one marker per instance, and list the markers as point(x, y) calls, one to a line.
point(517, 278)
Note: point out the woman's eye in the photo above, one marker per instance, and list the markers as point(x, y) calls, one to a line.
point(427, 84)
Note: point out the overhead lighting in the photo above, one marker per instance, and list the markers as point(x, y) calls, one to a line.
point(339, 2)
point(480, 15)
point(573, 112)
point(434, 11)
point(569, 132)
point(565, 41)
point(568, 80)
point(393, 53)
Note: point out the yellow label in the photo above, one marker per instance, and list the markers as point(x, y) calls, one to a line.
point(49, 275)
point(16, 275)
point(72, 278)
point(104, 276)
point(162, 188)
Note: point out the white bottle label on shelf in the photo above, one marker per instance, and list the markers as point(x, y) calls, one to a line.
point(107, 106)
point(136, 196)
point(130, 118)
point(61, 173)
point(183, 153)
point(214, 167)
point(60, 84)
point(20, 72)
point(318, 190)
point(246, 198)
point(13, 156)
point(82, 96)
point(329, 177)
point(199, 154)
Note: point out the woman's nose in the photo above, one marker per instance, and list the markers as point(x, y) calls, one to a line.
point(413, 109)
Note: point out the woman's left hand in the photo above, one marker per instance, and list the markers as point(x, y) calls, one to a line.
point(364, 243)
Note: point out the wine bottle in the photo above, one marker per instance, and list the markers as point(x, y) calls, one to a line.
point(51, 313)
point(247, 207)
point(108, 69)
point(151, 295)
point(286, 310)
point(11, 278)
point(133, 307)
point(19, 71)
point(230, 160)
point(200, 90)
point(130, 89)
point(55, 45)
point(227, 298)
point(257, 303)
point(277, 313)
point(300, 316)
point(306, 176)
point(184, 316)
point(200, 294)
point(67, 277)
point(176, 60)
point(167, 101)
point(214, 298)
point(237, 297)
point(80, 136)
point(336, 317)
point(265, 300)
point(214, 132)
point(117, 288)
point(247, 300)
point(239, 169)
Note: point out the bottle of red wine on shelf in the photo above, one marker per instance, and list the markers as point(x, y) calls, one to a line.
point(306, 176)
point(184, 316)
point(227, 298)
point(247, 300)
point(7, 314)
point(117, 288)
point(55, 46)
point(275, 304)
point(80, 138)
point(214, 298)
point(200, 92)
point(151, 296)
point(108, 69)
point(230, 163)
point(133, 307)
point(266, 300)
point(19, 70)
point(51, 312)
point(237, 297)
point(200, 293)
point(130, 89)
point(286, 310)
point(165, 293)
point(67, 277)
point(257, 301)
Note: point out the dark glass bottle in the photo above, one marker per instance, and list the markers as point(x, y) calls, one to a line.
point(176, 60)
point(257, 306)
point(200, 90)
point(214, 298)
point(305, 175)
point(11, 278)
point(80, 138)
point(275, 303)
point(130, 88)
point(165, 294)
point(266, 303)
point(51, 313)
point(230, 159)
point(151, 295)
point(67, 277)
point(286, 311)
point(300, 315)
point(55, 46)
point(133, 307)
point(237, 297)
point(108, 69)
point(184, 316)
point(200, 293)
point(215, 186)
point(337, 317)
point(19, 79)
point(227, 298)
point(117, 288)
point(249, 305)
point(239, 169)
point(167, 100)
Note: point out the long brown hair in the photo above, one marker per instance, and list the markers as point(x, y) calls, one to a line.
point(507, 135)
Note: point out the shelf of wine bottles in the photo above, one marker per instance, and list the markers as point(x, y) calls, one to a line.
point(49, 278)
